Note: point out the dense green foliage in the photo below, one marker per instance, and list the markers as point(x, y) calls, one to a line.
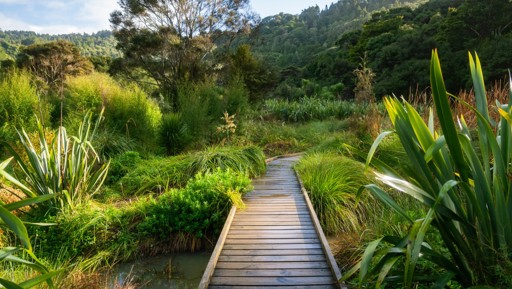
point(174, 220)
point(158, 174)
point(332, 182)
point(467, 196)
point(397, 45)
point(101, 43)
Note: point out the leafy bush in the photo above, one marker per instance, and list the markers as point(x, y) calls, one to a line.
point(465, 186)
point(332, 182)
point(199, 207)
point(123, 164)
point(121, 232)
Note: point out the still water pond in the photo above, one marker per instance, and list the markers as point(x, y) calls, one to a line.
point(182, 270)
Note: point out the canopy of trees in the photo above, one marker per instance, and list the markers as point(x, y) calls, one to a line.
point(173, 41)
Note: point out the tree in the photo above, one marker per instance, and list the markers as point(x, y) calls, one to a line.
point(53, 62)
point(172, 40)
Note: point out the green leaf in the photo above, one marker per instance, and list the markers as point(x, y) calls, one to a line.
point(15, 225)
point(9, 285)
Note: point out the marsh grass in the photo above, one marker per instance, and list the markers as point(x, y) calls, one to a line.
point(332, 182)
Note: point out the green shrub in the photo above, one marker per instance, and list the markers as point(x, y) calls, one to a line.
point(195, 107)
point(122, 164)
point(173, 133)
point(20, 102)
point(118, 233)
point(332, 182)
point(198, 208)
point(128, 110)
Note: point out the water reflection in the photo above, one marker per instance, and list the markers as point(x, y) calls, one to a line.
point(183, 271)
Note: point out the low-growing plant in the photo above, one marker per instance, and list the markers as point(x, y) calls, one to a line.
point(332, 182)
point(105, 234)
point(464, 184)
point(249, 160)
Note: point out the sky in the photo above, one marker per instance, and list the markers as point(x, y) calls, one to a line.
point(89, 16)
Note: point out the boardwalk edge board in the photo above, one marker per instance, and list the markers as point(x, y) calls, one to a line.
point(212, 263)
point(323, 240)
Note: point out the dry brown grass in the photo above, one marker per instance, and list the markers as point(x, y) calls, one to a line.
point(497, 91)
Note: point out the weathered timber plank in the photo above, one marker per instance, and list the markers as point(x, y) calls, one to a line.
point(271, 246)
point(270, 232)
point(295, 258)
point(274, 287)
point(273, 273)
point(281, 252)
point(273, 236)
point(272, 280)
point(271, 227)
point(272, 265)
point(272, 223)
point(245, 240)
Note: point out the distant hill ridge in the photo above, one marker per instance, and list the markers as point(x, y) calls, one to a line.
point(101, 43)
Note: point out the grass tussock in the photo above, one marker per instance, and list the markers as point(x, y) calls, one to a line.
point(159, 174)
point(332, 182)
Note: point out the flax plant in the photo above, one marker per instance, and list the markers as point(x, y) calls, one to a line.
point(23, 254)
point(463, 182)
point(68, 167)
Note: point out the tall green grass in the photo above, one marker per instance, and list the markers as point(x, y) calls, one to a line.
point(310, 108)
point(159, 174)
point(332, 182)
point(464, 184)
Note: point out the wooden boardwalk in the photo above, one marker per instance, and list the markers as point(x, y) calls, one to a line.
point(276, 242)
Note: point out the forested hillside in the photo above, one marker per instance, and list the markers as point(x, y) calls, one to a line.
point(322, 48)
point(97, 44)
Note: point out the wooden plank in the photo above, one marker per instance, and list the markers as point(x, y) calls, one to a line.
point(273, 273)
point(271, 227)
point(274, 236)
point(281, 252)
point(280, 287)
point(271, 232)
point(274, 214)
point(271, 223)
point(272, 265)
point(210, 267)
point(272, 281)
point(271, 246)
point(295, 258)
point(245, 240)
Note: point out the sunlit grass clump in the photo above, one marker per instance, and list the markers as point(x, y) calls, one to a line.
point(332, 182)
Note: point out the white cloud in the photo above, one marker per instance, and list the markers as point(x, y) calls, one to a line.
point(57, 16)
point(7, 23)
